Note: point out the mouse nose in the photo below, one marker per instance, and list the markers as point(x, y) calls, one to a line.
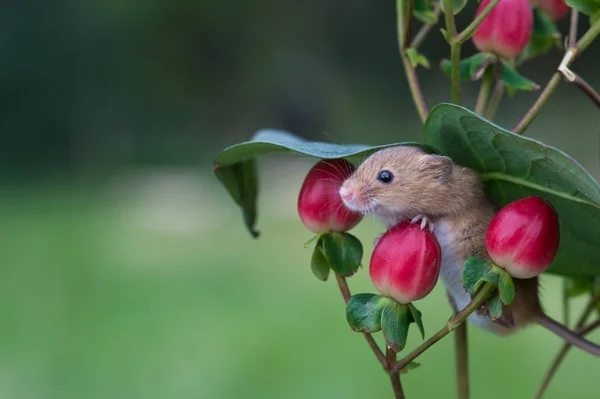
point(346, 194)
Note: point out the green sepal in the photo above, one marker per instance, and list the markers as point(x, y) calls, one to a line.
point(410, 366)
point(471, 68)
point(495, 306)
point(423, 11)
point(506, 287)
point(457, 5)
point(417, 318)
point(588, 7)
point(474, 270)
point(318, 263)
point(343, 252)
point(545, 35)
point(309, 242)
point(513, 81)
point(363, 312)
point(417, 58)
point(395, 321)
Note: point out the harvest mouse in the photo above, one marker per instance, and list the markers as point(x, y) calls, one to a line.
point(406, 183)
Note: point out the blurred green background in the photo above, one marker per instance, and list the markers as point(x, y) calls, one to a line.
point(126, 270)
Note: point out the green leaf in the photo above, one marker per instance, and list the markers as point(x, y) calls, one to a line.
point(395, 321)
point(410, 366)
point(417, 58)
point(495, 306)
point(514, 81)
point(506, 287)
point(343, 252)
point(470, 68)
point(457, 5)
point(363, 312)
point(313, 239)
point(545, 35)
point(416, 316)
point(318, 263)
point(424, 12)
point(474, 270)
point(236, 169)
point(588, 7)
point(514, 167)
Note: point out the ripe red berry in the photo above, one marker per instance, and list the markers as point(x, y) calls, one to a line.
point(319, 203)
point(405, 264)
point(555, 9)
point(523, 237)
point(506, 30)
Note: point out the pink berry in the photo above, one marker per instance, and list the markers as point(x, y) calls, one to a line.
point(523, 237)
point(506, 30)
point(319, 203)
point(405, 264)
point(555, 9)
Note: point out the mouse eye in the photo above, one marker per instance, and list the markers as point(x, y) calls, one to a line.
point(385, 176)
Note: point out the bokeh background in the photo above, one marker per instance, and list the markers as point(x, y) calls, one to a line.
point(126, 271)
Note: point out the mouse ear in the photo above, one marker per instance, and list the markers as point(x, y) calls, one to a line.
point(441, 167)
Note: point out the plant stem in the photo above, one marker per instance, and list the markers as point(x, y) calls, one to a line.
point(494, 100)
point(579, 47)
point(462, 361)
point(450, 326)
point(564, 350)
point(426, 28)
point(409, 69)
point(484, 91)
point(394, 374)
point(345, 290)
point(452, 39)
point(472, 27)
point(573, 28)
point(587, 89)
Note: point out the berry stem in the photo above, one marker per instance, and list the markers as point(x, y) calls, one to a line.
point(486, 291)
point(573, 27)
point(403, 20)
point(472, 27)
point(579, 47)
point(426, 28)
point(486, 87)
point(345, 290)
point(587, 89)
point(452, 38)
point(461, 349)
point(564, 350)
point(494, 100)
point(394, 375)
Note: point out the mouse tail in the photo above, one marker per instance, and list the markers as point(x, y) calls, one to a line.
point(568, 335)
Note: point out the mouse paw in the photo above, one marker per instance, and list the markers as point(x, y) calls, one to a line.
point(424, 222)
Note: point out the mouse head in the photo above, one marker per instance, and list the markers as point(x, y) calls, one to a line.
point(398, 181)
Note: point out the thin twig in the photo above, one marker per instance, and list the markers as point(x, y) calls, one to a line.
point(587, 89)
point(495, 99)
point(345, 290)
point(579, 47)
point(573, 27)
point(450, 326)
point(487, 82)
point(426, 28)
point(472, 27)
point(462, 361)
point(394, 375)
point(452, 38)
point(564, 350)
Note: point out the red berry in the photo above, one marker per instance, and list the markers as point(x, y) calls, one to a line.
point(523, 237)
point(319, 203)
point(506, 30)
point(405, 264)
point(555, 9)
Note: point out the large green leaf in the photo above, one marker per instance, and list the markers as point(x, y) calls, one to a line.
point(515, 167)
point(236, 169)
